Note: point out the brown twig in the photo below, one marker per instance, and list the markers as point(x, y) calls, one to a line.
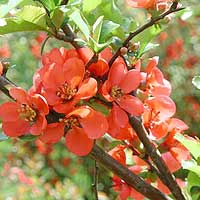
point(153, 21)
point(124, 173)
point(95, 184)
point(64, 2)
point(157, 159)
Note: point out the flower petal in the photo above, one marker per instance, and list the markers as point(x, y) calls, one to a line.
point(131, 104)
point(52, 133)
point(19, 94)
point(8, 111)
point(162, 105)
point(116, 73)
point(78, 142)
point(74, 71)
point(40, 102)
point(99, 68)
point(130, 81)
point(38, 126)
point(87, 89)
point(95, 124)
point(16, 128)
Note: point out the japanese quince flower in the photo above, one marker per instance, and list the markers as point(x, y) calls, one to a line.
point(118, 86)
point(61, 80)
point(119, 128)
point(83, 126)
point(156, 84)
point(100, 67)
point(25, 115)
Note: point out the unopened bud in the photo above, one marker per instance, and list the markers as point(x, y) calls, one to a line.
point(123, 51)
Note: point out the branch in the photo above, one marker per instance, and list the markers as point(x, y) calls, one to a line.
point(153, 21)
point(95, 184)
point(124, 173)
point(157, 159)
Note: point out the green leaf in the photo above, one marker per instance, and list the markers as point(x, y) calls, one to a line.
point(49, 4)
point(193, 180)
point(192, 146)
point(80, 22)
point(191, 165)
point(57, 18)
point(12, 25)
point(5, 8)
point(3, 137)
point(146, 36)
point(149, 47)
point(196, 82)
point(33, 14)
point(107, 28)
point(30, 18)
point(89, 5)
point(96, 29)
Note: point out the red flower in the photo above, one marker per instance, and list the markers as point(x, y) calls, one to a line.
point(25, 115)
point(100, 67)
point(156, 84)
point(118, 86)
point(119, 127)
point(61, 81)
point(83, 124)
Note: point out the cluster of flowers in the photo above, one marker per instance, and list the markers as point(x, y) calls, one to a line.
point(161, 126)
point(58, 104)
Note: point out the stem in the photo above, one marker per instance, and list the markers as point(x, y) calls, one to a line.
point(124, 173)
point(95, 184)
point(157, 159)
point(153, 21)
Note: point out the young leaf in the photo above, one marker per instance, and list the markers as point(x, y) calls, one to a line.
point(82, 25)
point(192, 146)
point(33, 14)
point(196, 82)
point(107, 28)
point(57, 17)
point(96, 29)
point(5, 8)
point(89, 5)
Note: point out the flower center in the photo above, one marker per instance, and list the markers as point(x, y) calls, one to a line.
point(65, 92)
point(27, 113)
point(116, 92)
point(70, 122)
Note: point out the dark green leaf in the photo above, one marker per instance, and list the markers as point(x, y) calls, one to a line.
point(80, 22)
point(107, 28)
point(28, 137)
point(57, 17)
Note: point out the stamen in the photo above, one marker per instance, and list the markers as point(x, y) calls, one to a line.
point(70, 122)
point(65, 92)
point(116, 92)
point(27, 113)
